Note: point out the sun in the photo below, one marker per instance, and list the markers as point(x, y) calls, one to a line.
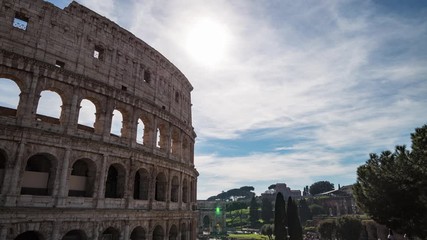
point(207, 41)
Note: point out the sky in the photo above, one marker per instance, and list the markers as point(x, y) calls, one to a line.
point(288, 91)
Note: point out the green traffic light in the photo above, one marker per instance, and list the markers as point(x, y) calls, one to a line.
point(217, 210)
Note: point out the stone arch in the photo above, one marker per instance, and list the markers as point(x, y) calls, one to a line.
point(115, 182)
point(144, 129)
point(173, 232)
point(117, 121)
point(82, 178)
point(206, 222)
point(111, 234)
point(175, 142)
point(185, 190)
point(9, 96)
point(30, 235)
point(49, 107)
point(141, 184)
point(87, 115)
point(39, 175)
point(174, 189)
point(158, 233)
point(160, 188)
point(162, 134)
point(75, 234)
point(3, 160)
point(138, 233)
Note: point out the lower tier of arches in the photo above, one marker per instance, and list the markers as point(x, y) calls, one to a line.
point(72, 224)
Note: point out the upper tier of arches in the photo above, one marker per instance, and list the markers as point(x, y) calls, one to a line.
point(79, 111)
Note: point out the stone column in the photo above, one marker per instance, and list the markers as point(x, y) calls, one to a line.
point(13, 190)
point(3, 232)
point(101, 188)
point(126, 231)
point(62, 188)
point(55, 230)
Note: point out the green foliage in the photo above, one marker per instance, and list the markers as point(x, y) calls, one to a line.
point(327, 228)
point(321, 187)
point(236, 205)
point(280, 218)
point(348, 228)
point(253, 212)
point(247, 236)
point(392, 187)
point(294, 225)
point(316, 209)
point(267, 229)
point(243, 192)
point(266, 210)
point(304, 211)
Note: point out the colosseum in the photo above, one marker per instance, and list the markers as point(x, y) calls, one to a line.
point(96, 136)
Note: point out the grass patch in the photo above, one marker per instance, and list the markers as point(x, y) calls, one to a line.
point(247, 236)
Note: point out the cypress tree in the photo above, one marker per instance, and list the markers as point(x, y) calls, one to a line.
point(294, 225)
point(279, 218)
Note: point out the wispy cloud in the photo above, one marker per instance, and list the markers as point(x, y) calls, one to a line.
point(331, 81)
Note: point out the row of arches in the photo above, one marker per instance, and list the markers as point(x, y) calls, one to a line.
point(111, 233)
point(86, 111)
point(84, 178)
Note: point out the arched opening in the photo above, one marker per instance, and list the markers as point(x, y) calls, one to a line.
point(138, 234)
point(111, 234)
point(140, 132)
point(185, 191)
point(75, 235)
point(206, 223)
point(174, 189)
point(49, 107)
point(82, 179)
point(38, 176)
point(158, 233)
point(117, 123)
point(9, 97)
point(141, 185)
point(173, 232)
point(87, 115)
point(160, 190)
point(158, 138)
point(30, 235)
point(114, 187)
point(183, 231)
point(2, 168)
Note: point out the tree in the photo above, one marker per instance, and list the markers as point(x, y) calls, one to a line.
point(304, 211)
point(253, 212)
point(280, 218)
point(326, 229)
point(321, 187)
point(392, 187)
point(267, 229)
point(266, 210)
point(235, 193)
point(348, 228)
point(294, 225)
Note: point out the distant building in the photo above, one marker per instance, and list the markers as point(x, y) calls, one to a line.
point(339, 202)
point(282, 188)
point(212, 216)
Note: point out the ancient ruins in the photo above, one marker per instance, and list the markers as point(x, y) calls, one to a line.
point(63, 179)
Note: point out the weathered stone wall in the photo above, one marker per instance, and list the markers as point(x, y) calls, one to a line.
point(130, 190)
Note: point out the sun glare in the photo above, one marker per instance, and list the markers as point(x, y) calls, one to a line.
point(207, 41)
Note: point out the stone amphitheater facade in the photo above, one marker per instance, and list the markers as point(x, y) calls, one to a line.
point(62, 179)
